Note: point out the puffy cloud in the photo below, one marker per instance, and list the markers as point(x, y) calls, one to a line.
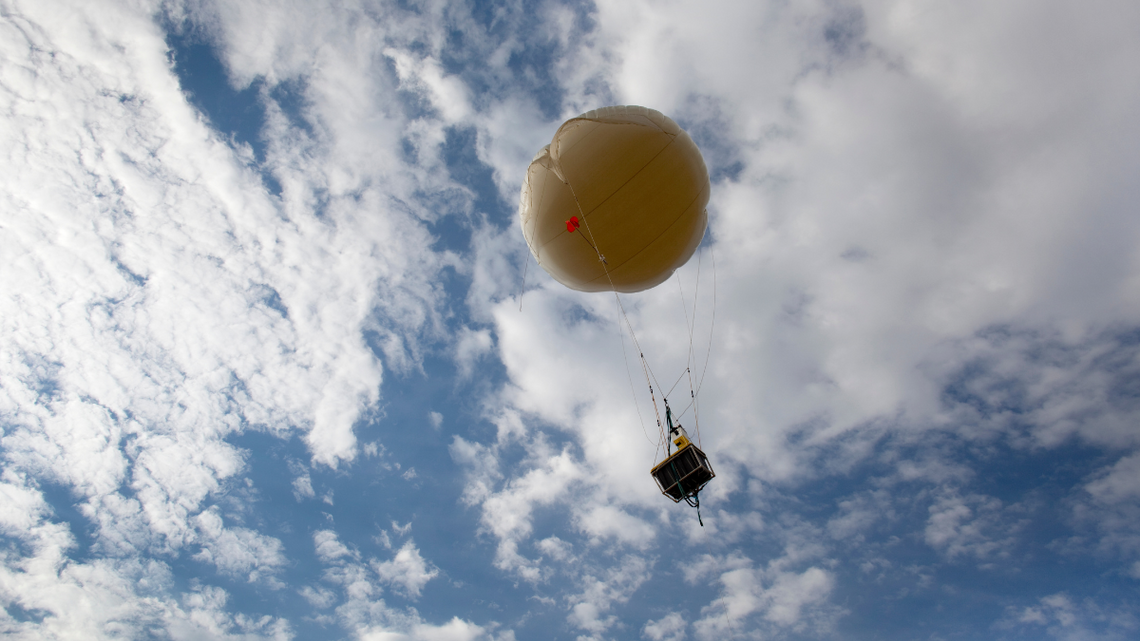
point(507, 513)
point(608, 521)
point(670, 627)
point(903, 251)
point(1062, 617)
point(204, 616)
point(872, 216)
point(160, 299)
point(859, 513)
point(589, 608)
point(368, 617)
point(922, 223)
point(1108, 503)
point(970, 525)
point(454, 630)
point(303, 487)
point(783, 599)
point(407, 570)
point(1121, 484)
point(469, 347)
point(319, 597)
point(447, 94)
point(238, 551)
point(109, 598)
point(329, 548)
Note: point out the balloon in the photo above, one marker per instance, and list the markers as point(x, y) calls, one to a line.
point(624, 183)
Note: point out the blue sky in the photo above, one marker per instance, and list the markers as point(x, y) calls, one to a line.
point(264, 371)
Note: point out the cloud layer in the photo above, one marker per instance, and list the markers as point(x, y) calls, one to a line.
point(917, 302)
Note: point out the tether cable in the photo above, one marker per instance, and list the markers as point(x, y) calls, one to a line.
point(712, 327)
point(632, 391)
point(678, 381)
point(650, 377)
point(525, 266)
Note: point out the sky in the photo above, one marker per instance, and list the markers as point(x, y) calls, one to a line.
point(274, 363)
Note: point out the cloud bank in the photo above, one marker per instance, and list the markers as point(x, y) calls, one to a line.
point(918, 302)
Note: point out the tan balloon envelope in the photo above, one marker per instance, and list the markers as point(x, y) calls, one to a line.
point(639, 186)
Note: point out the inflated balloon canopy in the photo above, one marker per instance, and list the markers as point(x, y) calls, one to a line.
point(616, 201)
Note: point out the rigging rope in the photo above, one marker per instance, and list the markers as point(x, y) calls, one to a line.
point(682, 412)
point(696, 502)
point(691, 325)
point(632, 391)
point(645, 368)
point(647, 371)
point(526, 265)
point(675, 383)
point(692, 356)
point(712, 327)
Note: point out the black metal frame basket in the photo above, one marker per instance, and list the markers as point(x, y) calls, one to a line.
point(684, 473)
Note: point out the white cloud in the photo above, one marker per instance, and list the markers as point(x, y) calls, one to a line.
point(607, 521)
point(705, 566)
point(904, 221)
point(725, 527)
point(319, 597)
point(783, 599)
point(507, 513)
point(1038, 387)
point(1109, 504)
point(454, 630)
point(1062, 617)
point(875, 215)
point(789, 594)
point(511, 130)
point(206, 618)
point(238, 551)
point(447, 93)
point(563, 353)
point(408, 571)
point(670, 627)
point(859, 513)
point(1120, 485)
point(470, 346)
point(369, 617)
point(112, 598)
point(329, 548)
point(158, 299)
point(589, 608)
point(972, 525)
point(21, 507)
point(903, 188)
point(303, 487)
point(556, 548)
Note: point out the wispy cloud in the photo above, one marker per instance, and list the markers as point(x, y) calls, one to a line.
point(924, 241)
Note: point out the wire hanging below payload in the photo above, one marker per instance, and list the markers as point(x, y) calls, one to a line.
point(695, 501)
point(683, 474)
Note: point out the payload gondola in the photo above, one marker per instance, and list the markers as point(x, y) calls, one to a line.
point(684, 473)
